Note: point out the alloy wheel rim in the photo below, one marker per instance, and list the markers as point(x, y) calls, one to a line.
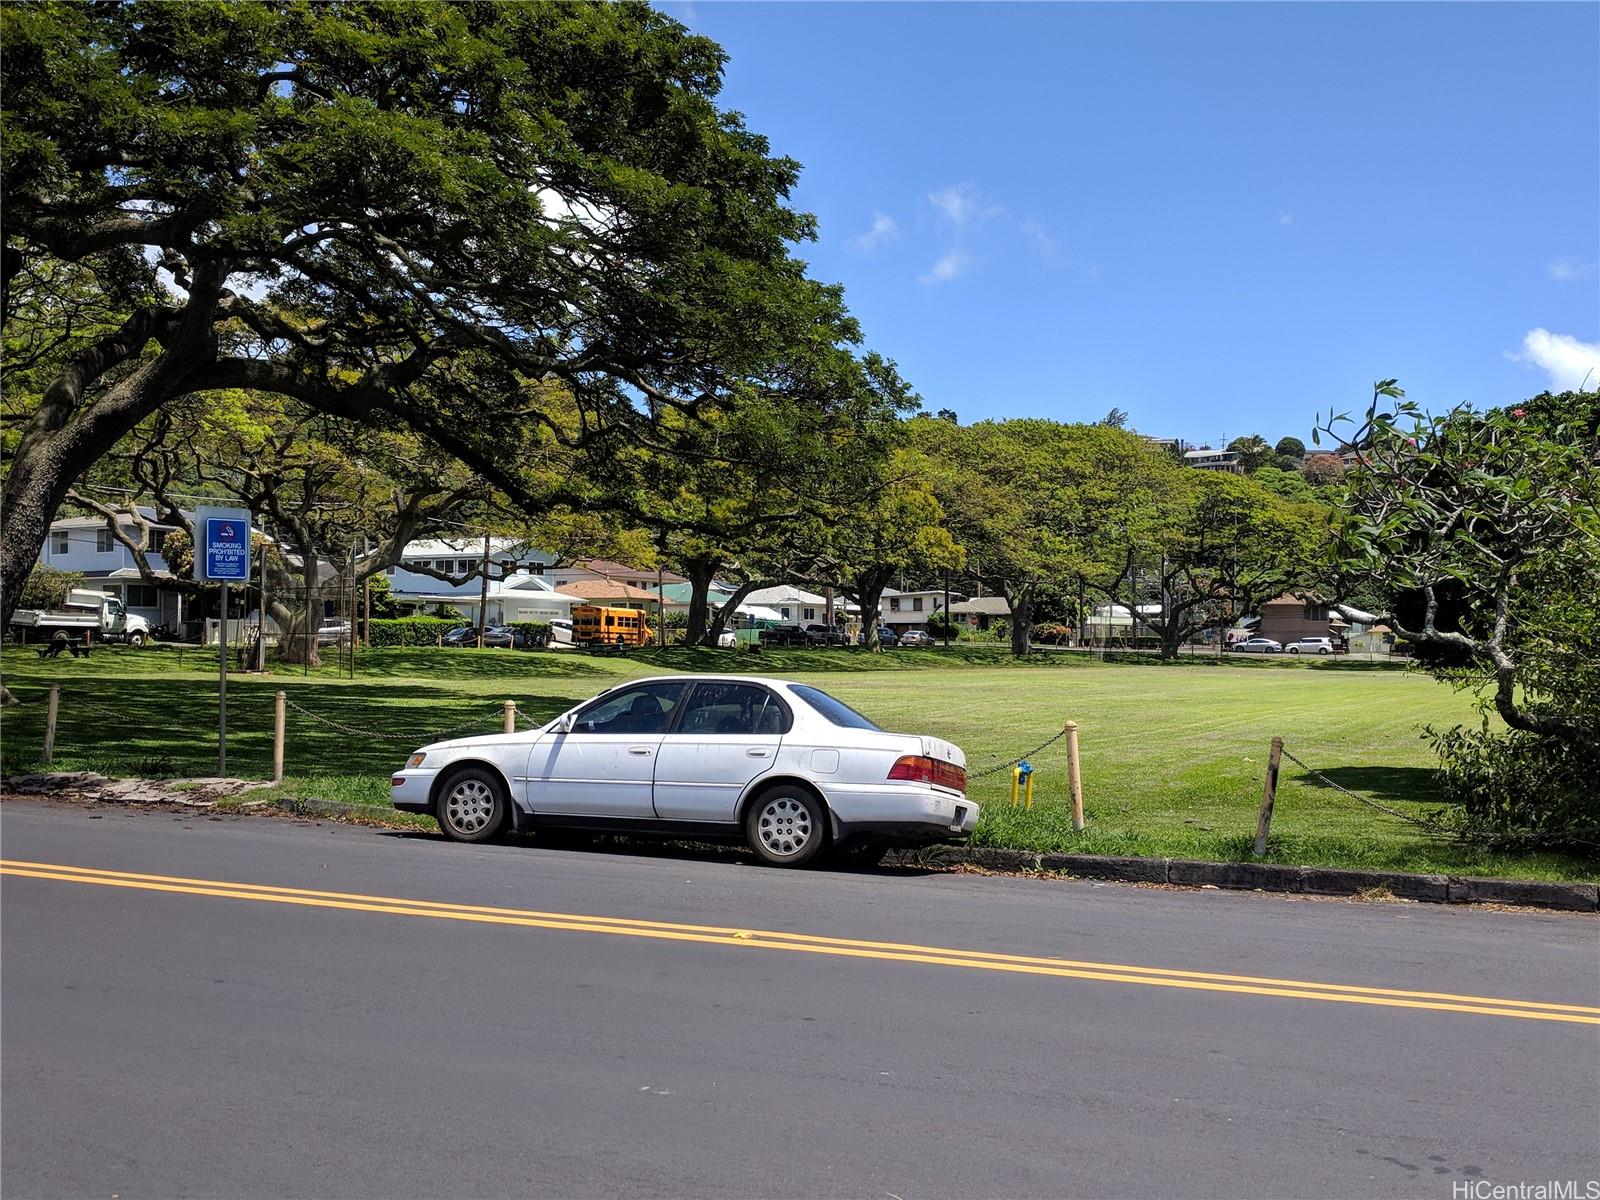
point(469, 806)
point(785, 827)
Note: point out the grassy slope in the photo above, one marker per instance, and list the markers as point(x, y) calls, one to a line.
point(1172, 756)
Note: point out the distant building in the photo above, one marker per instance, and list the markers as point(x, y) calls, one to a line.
point(1207, 459)
point(591, 570)
point(1288, 618)
point(904, 611)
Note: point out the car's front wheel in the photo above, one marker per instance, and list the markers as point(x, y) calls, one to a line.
point(471, 805)
point(786, 827)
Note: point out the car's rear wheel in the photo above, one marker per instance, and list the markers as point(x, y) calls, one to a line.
point(786, 826)
point(472, 805)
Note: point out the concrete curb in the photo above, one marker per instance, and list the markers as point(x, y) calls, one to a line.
point(1275, 877)
point(1183, 872)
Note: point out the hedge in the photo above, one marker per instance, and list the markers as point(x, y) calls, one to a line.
point(410, 631)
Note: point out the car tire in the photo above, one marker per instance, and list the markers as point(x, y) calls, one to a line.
point(136, 640)
point(472, 805)
point(1324, 650)
point(786, 826)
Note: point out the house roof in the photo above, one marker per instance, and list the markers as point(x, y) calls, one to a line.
point(992, 606)
point(610, 569)
point(468, 546)
point(605, 589)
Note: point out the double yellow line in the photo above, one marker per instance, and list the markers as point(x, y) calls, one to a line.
point(804, 943)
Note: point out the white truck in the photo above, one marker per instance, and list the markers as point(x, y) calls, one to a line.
point(89, 615)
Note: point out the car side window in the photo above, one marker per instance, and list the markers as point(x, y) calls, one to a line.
point(643, 709)
point(734, 708)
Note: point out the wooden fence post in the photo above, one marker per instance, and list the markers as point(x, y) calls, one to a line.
point(511, 716)
point(50, 723)
point(1073, 775)
point(277, 740)
point(1269, 793)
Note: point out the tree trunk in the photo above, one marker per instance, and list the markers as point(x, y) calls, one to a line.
point(700, 572)
point(869, 594)
point(1171, 639)
point(1020, 601)
point(728, 608)
point(298, 624)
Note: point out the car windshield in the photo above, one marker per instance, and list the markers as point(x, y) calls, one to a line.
point(836, 711)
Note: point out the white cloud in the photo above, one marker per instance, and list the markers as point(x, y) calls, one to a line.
point(1286, 218)
point(1567, 361)
point(1043, 244)
point(947, 268)
point(883, 229)
point(963, 203)
point(1569, 270)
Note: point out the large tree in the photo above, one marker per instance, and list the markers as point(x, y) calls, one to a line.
point(388, 213)
point(900, 529)
point(1024, 499)
point(1483, 529)
point(1212, 547)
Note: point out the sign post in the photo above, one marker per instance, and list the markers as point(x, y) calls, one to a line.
point(222, 555)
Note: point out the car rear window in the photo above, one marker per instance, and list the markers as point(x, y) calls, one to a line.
point(835, 711)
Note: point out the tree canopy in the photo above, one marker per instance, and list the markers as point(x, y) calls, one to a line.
point(411, 216)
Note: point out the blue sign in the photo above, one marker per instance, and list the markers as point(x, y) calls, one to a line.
point(225, 546)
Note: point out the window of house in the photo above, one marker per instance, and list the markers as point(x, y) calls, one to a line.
point(465, 565)
point(916, 604)
point(158, 539)
point(894, 603)
point(390, 570)
point(784, 612)
point(1316, 612)
point(536, 568)
point(142, 595)
point(811, 614)
point(61, 541)
point(102, 541)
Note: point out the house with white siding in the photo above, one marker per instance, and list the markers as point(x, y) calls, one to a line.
point(87, 546)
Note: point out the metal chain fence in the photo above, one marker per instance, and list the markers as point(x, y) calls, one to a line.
point(1430, 824)
point(1044, 745)
point(411, 738)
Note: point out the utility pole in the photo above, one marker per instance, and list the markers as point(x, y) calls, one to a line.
point(483, 593)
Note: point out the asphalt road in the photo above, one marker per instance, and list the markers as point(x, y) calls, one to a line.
point(507, 1020)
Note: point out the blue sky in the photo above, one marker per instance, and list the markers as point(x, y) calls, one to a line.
point(1222, 218)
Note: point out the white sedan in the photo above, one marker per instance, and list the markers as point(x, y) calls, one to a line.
point(782, 766)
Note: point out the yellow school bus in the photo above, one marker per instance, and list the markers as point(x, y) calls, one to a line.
point(596, 625)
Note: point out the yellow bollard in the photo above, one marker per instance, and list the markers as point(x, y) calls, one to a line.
point(1028, 793)
point(1016, 778)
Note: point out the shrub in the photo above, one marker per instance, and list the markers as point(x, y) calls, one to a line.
point(409, 631)
point(1520, 790)
point(537, 632)
point(1052, 633)
point(47, 587)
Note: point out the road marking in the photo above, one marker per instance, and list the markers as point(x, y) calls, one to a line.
point(811, 944)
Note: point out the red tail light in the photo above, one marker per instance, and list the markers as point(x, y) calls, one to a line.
point(917, 768)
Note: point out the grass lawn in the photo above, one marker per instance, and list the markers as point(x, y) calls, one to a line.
point(1173, 756)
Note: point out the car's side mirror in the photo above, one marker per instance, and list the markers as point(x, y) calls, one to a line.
point(565, 724)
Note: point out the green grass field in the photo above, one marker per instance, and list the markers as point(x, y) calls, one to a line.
point(1173, 756)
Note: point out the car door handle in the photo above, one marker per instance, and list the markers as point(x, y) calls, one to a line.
point(641, 751)
point(758, 753)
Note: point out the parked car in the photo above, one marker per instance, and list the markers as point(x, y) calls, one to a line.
point(783, 635)
point(1258, 645)
point(918, 638)
point(333, 631)
point(560, 631)
point(886, 637)
point(1311, 645)
point(781, 766)
point(826, 635)
point(461, 635)
point(503, 637)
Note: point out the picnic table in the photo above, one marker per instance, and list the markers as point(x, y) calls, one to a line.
point(54, 647)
